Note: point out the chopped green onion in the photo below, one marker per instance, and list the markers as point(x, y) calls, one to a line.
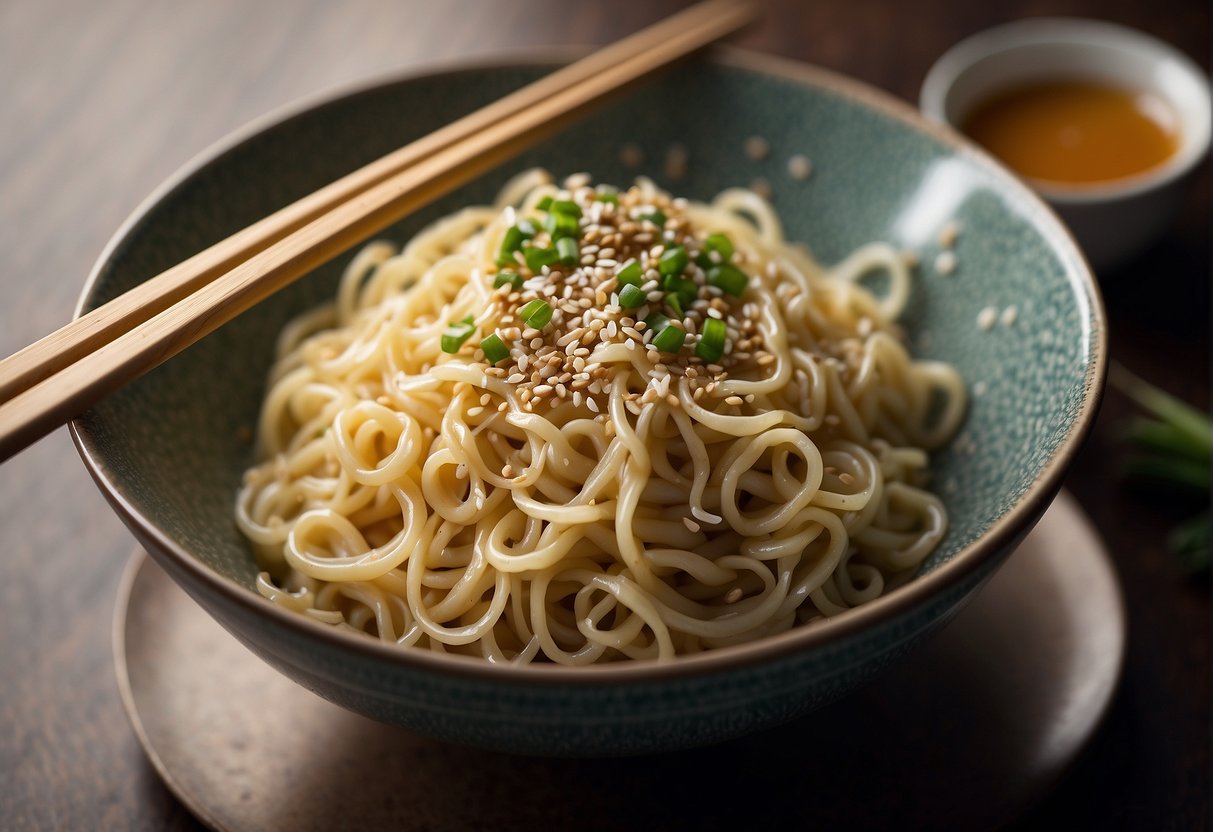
point(510, 243)
point(561, 225)
point(632, 296)
point(1170, 470)
point(729, 278)
point(536, 314)
point(670, 338)
point(607, 194)
point(711, 340)
point(1184, 419)
point(456, 334)
point(544, 204)
point(630, 273)
point(537, 258)
point(566, 206)
point(494, 349)
point(512, 278)
point(673, 261)
point(674, 301)
point(1191, 541)
point(656, 217)
point(566, 248)
point(656, 321)
point(1165, 438)
point(686, 289)
point(526, 227)
point(719, 243)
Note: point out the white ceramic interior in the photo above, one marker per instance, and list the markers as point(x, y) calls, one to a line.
point(1112, 220)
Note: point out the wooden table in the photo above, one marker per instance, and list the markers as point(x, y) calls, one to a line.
point(102, 101)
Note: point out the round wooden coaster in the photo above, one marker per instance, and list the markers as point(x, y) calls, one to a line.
point(964, 733)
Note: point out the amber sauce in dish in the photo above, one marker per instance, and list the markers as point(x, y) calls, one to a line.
point(1075, 132)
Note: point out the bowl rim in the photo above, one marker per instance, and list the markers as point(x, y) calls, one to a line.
point(1082, 35)
point(1001, 534)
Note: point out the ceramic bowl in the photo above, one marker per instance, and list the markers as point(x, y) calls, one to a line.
point(1114, 220)
point(168, 451)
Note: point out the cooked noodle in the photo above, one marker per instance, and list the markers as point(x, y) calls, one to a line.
point(590, 497)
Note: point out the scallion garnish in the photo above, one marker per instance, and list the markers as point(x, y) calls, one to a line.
point(673, 260)
point(711, 341)
point(655, 217)
point(729, 278)
point(607, 194)
point(566, 206)
point(561, 225)
point(686, 289)
point(630, 273)
point(1173, 449)
point(537, 258)
point(457, 333)
point(566, 248)
point(494, 349)
point(632, 296)
point(536, 314)
point(656, 321)
point(512, 278)
point(510, 243)
point(719, 243)
point(670, 338)
point(544, 204)
point(674, 301)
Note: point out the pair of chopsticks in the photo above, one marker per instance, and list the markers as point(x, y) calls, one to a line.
point(60, 376)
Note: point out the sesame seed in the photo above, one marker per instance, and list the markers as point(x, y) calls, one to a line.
point(945, 262)
point(734, 595)
point(676, 157)
point(799, 167)
point(948, 234)
point(690, 524)
point(757, 148)
point(986, 318)
point(1009, 316)
point(733, 400)
point(631, 155)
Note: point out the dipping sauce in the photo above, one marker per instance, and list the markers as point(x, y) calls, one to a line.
point(1075, 132)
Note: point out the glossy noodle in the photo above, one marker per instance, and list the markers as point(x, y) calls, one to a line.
point(665, 430)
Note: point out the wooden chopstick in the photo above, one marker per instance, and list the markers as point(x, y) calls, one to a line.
point(194, 298)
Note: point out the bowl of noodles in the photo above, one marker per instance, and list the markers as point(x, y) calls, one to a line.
point(681, 425)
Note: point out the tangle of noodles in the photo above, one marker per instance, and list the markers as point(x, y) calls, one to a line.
point(590, 497)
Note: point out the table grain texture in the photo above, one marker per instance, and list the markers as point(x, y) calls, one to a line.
point(101, 101)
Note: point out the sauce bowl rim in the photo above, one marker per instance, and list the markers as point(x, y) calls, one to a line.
point(1081, 36)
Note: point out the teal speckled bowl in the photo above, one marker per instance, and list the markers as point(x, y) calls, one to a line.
point(167, 454)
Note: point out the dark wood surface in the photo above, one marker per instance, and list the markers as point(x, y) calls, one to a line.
point(102, 101)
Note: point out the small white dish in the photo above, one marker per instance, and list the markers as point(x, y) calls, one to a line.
point(1112, 220)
